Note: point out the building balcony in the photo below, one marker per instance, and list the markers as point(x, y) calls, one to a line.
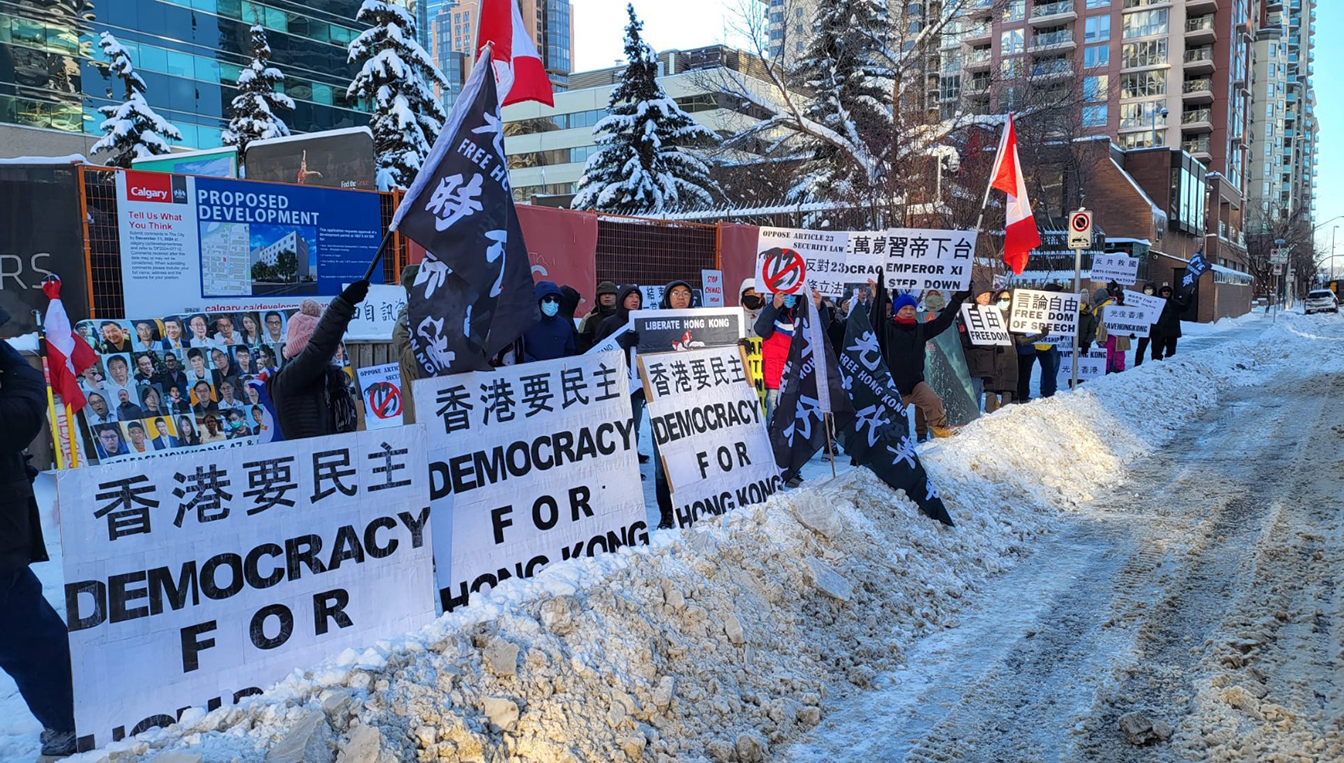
point(1047, 70)
point(1199, 60)
point(978, 33)
point(1197, 121)
point(1053, 14)
point(977, 59)
point(1199, 31)
point(1197, 91)
point(1061, 40)
point(1197, 7)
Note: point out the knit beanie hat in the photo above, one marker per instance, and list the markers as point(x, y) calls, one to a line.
point(408, 275)
point(606, 287)
point(901, 301)
point(301, 327)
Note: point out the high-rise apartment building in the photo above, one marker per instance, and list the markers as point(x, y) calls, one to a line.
point(189, 52)
point(1282, 182)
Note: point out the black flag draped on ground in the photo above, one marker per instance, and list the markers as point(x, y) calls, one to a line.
point(797, 427)
point(879, 438)
point(473, 295)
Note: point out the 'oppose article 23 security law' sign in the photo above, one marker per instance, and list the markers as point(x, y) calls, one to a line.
point(529, 465)
point(194, 580)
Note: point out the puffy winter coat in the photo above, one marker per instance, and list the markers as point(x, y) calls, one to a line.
point(299, 389)
point(775, 327)
point(904, 345)
point(550, 337)
point(617, 320)
point(1102, 301)
point(1168, 324)
point(23, 408)
point(591, 321)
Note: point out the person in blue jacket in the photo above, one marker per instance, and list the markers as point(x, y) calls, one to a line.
point(553, 336)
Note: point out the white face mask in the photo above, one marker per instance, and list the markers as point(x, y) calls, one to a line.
point(1003, 304)
point(550, 308)
point(1148, 291)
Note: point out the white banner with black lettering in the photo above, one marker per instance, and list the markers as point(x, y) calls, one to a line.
point(1152, 305)
point(1119, 267)
point(1125, 321)
point(380, 387)
point(198, 579)
point(1091, 364)
point(532, 464)
point(710, 431)
point(984, 325)
point(1051, 312)
point(791, 260)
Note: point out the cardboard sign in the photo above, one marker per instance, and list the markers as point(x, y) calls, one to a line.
point(710, 431)
point(380, 386)
point(531, 464)
point(1120, 268)
point(1091, 365)
point(1123, 320)
point(209, 576)
point(376, 316)
point(711, 282)
point(984, 325)
point(1051, 312)
point(679, 330)
point(1151, 305)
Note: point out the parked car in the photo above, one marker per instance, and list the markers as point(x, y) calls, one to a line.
point(1320, 301)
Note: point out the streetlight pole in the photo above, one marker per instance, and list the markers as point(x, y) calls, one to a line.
point(1333, 232)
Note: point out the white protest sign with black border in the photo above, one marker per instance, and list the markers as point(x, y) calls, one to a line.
point(1091, 364)
point(1152, 305)
point(788, 259)
point(710, 431)
point(380, 387)
point(984, 325)
point(688, 329)
point(530, 464)
point(1049, 312)
point(1120, 268)
point(205, 577)
point(613, 344)
point(1124, 320)
point(919, 259)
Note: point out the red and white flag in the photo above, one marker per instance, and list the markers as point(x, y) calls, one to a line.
point(1020, 234)
point(67, 352)
point(519, 75)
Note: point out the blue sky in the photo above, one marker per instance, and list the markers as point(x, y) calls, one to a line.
point(265, 235)
point(1330, 118)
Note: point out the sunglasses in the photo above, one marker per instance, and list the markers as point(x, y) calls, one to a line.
point(556, 300)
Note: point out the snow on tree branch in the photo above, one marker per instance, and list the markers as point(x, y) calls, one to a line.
point(132, 129)
point(254, 108)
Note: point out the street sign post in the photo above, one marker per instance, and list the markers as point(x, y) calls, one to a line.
point(1080, 238)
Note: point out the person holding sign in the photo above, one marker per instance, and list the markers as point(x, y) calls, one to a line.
point(980, 358)
point(904, 340)
point(1149, 289)
point(1168, 327)
point(1116, 346)
point(775, 328)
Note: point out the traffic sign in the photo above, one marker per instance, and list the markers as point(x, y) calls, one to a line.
point(1278, 256)
point(1278, 268)
point(1080, 229)
point(783, 271)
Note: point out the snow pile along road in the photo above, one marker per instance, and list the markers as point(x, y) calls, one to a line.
point(723, 641)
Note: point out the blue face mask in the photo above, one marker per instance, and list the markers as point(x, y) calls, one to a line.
point(550, 308)
point(790, 301)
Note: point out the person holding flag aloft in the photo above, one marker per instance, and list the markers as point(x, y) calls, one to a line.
point(775, 327)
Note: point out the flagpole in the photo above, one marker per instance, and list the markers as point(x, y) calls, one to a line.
point(993, 172)
point(51, 399)
point(71, 427)
point(378, 255)
point(829, 450)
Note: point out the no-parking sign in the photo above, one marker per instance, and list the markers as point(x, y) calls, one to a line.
point(380, 386)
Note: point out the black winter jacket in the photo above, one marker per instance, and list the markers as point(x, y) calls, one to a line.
point(1168, 324)
point(617, 320)
point(904, 346)
point(23, 407)
point(299, 390)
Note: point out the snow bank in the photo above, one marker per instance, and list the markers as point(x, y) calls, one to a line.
point(722, 642)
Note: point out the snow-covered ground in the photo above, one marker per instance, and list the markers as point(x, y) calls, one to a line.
point(735, 639)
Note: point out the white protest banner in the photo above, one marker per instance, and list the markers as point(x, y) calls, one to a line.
point(710, 431)
point(689, 329)
point(1124, 320)
point(529, 464)
point(787, 259)
point(613, 344)
point(1120, 268)
point(380, 387)
point(918, 259)
point(651, 296)
point(1051, 312)
point(1152, 305)
point(711, 282)
point(209, 576)
point(376, 316)
point(984, 325)
point(1091, 365)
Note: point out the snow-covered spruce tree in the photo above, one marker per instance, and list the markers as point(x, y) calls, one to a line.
point(397, 77)
point(132, 129)
point(643, 164)
point(846, 68)
point(254, 107)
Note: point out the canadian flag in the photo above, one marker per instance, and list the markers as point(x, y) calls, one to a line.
point(1020, 234)
point(67, 352)
point(519, 74)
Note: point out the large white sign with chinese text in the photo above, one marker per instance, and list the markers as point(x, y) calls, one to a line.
point(1044, 312)
point(833, 262)
point(1120, 268)
point(201, 578)
point(710, 431)
point(531, 464)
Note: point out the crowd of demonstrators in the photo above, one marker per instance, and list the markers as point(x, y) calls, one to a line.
point(313, 397)
point(605, 308)
point(552, 336)
point(904, 342)
point(1116, 345)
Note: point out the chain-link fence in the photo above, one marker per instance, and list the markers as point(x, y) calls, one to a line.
point(632, 250)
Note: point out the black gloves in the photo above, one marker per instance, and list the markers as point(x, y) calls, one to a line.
point(961, 296)
point(356, 292)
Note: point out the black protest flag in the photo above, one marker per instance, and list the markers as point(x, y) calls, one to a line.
point(879, 438)
point(797, 427)
point(473, 295)
point(1193, 271)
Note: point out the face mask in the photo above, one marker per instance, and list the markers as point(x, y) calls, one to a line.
point(1147, 291)
point(550, 308)
point(751, 303)
point(1003, 304)
point(790, 300)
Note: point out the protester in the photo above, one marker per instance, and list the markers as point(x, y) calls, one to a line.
point(1150, 289)
point(980, 359)
point(570, 299)
point(628, 299)
point(34, 644)
point(934, 302)
point(1087, 324)
point(1116, 346)
point(1048, 356)
point(407, 366)
point(312, 397)
point(1167, 330)
point(606, 307)
point(751, 304)
point(677, 296)
point(904, 344)
point(552, 336)
point(775, 326)
point(1003, 387)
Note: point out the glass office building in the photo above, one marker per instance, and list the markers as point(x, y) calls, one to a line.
point(189, 53)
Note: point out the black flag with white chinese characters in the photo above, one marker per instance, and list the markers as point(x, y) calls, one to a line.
point(879, 438)
point(1193, 271)
point(797, 427)
point(473, 295)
